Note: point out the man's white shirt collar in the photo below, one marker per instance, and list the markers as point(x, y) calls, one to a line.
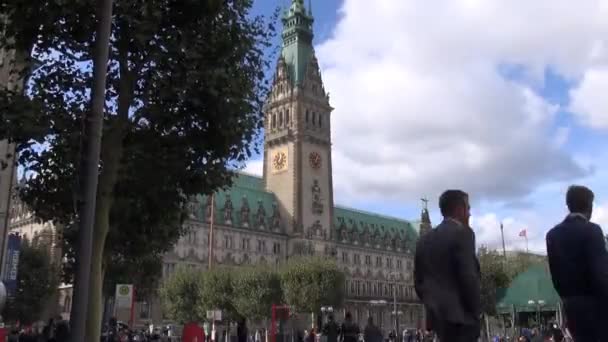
point(579, 215)
point(453, 220)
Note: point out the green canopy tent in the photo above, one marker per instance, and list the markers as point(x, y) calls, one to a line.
point(530, 292)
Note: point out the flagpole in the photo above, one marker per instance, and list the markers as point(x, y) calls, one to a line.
point(502, 233)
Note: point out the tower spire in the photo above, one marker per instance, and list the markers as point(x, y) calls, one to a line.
point(425, 218)
point(297, 39)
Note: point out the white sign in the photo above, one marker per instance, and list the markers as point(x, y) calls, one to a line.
point(215, 315)
point(124, 296)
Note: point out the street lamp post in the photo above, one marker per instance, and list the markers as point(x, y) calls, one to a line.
point(326, 310)
point(393, 276)
point(538, 304)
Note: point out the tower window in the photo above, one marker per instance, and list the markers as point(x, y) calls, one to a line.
point(320, 121)
point(273, 121)
point(281, 119)
point(287, 118)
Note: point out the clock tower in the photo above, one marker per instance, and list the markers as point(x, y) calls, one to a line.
point(297, 139)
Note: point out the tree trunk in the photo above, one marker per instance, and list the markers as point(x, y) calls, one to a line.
point(112, 151)
point(95, 309)
point(87, 272)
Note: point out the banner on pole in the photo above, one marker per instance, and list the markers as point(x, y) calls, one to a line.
point(13, 250)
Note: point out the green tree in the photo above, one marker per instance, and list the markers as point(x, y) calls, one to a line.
point(255, 289)
point(218, 292)
point(520, 262)
point(184, 98)
point(309, 283)
point(37, 281)
point(494, 276)
point(181, 295)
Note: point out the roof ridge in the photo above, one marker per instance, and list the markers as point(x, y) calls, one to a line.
point(245, 173)
point(360, 211)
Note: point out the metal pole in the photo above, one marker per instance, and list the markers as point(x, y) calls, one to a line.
point(502, 233)
point(211, 230)
point(395, 307)
point(89, 171)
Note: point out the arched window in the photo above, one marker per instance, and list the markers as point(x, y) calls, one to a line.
point(320, 121)
point(307, 115)
point(274, 121)
point(314, 118)
point(281, 119)
point(287, 117)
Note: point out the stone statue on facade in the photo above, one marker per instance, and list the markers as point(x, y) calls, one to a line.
point(261, 215)
point(317, 229)
point(276, 217)
point(343, 234)
point(366, 236)
point(245, 212)
point(193, 207)
point(317, 203)
point(209, 207)
point(228, 210)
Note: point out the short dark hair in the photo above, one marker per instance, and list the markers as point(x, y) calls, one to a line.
point(450, 200)
point(579, 199)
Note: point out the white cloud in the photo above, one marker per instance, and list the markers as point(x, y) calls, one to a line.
point(589, 99)
point(420, 103)
point(254, 167)
point(487, 231)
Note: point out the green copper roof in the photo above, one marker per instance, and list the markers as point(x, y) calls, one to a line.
point(297, 40)
point(238, 195)
point(244, 180)
point(533, 284)
point(384, 224)
point(252, 189)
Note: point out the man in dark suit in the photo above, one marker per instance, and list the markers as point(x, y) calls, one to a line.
point(579, 267)
point(446, 272)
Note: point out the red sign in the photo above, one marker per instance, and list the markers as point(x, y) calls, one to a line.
point(193, 333)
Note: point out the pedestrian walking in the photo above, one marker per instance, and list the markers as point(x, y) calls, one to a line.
point(331, 329)
point(372, 333)
point(446, 272)
point(349, 331)
point(578, 262)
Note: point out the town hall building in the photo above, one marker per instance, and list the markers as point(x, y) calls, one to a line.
point(290, 211)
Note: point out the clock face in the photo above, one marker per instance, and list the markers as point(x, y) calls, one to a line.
point(279, 161)
point(315, 160)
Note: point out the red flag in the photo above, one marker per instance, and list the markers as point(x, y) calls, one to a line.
point(523, 233)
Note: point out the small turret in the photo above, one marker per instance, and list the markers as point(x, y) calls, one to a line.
point(425, 218)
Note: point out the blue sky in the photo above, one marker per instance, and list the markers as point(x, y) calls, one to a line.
point(471, 94)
